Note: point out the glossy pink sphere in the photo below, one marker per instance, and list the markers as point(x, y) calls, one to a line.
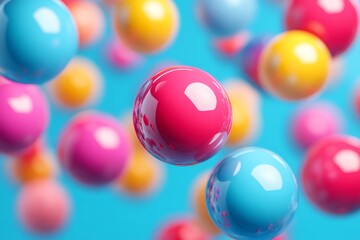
point(314, 122)
point(23, 115)
point(331, 174)
point(182, 115)
point(94, 148)
point(335, 22)
point(43, 206)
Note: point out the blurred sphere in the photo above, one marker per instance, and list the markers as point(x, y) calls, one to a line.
point(146, 26)
point(37, 39)
point(230, 46)
point(245, 105)
point(89, 20)
point(94, 148)
point(182, 229)
point(357, 100)
point(121, 56)
point(199, 204)
point(250, 57)
point(24, 116)
point(43, 206)
point(334, 22)
point(182, 115)
point(331, 174)
point(252, 194)
point(226, 17)
point(294, 65)
point(315, 122)
point(78, 85)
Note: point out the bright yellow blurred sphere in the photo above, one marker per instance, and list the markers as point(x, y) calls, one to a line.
point(295, 65)
point(78, 85)
point(146, 26)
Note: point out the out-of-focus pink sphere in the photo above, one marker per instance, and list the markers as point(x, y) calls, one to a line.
point(182, 229)
point(121, 56)
point(94, 148)
point(43, 206)
point(23, 115)
point(314, 122)
point(230, 46)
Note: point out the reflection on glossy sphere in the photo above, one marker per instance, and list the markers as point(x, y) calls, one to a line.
point(226, 17)
point(294, 65)
point(89, 20)
point(94, 148)
point(78, 85)
point(182, 115)
point(146, 26)
point(335, 22)
point(43, 206)
point(23, 116)
point(252, 194)
point(182, 229)
point(199, 205)
point(37, 39)
point(331, 174)
point(315, 122)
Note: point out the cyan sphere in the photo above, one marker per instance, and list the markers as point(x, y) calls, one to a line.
point(37, 39)
point(226, 17)
point(252, 194)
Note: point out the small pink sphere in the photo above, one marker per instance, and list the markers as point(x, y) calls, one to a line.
point(121, 56)
point(331, 174)
point(314, 122)
point(230, 46)
point(182, 115)
point(43, 206)
point(23, 116)
point(335, 22)
point(94, 148)
point(182, 229)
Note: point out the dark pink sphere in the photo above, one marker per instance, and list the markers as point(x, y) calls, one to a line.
point(335, 22)
point(182, 115)
point(331, 174)
point(94, 148)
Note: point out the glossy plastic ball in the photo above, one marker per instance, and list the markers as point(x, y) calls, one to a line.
point(94, 148)
point(37, 39)
point(89, 20)
point(315, 122)
point(226, 17)
point(199, 205)
point(230, 46)
point(182, 115)
point(335, 22)
point(24, 116)
point(252, 194)
point(146, 26)
point(43, 206)
point(182, 229)
point(78, 85)
point(331, 174)
point(121, 56)
point(294, 65)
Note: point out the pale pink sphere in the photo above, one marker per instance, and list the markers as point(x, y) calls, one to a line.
point(314, 122)
point(43, 206)
point(23, 115)
point(121, 56)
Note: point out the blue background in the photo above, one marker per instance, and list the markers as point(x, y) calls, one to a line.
point(104, 213)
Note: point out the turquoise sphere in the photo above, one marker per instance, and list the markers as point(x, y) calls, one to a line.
point(37, 39)
point(252, 194)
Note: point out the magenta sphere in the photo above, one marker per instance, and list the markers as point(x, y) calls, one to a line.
point(43, 206)
point(182, 115)
point(315, 122)
point(23, 115)
point(94, 148)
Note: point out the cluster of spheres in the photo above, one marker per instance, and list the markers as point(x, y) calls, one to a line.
point(57, 114)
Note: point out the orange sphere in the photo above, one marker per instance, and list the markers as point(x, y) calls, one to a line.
point(89, 21)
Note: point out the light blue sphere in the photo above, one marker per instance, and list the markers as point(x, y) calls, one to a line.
point(226, 17)
point(252, 194)
point(37, 39)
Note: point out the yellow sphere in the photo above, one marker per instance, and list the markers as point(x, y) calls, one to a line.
point(199, 204)
point(78, 85)
point(295, 65)
point(146, 26)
